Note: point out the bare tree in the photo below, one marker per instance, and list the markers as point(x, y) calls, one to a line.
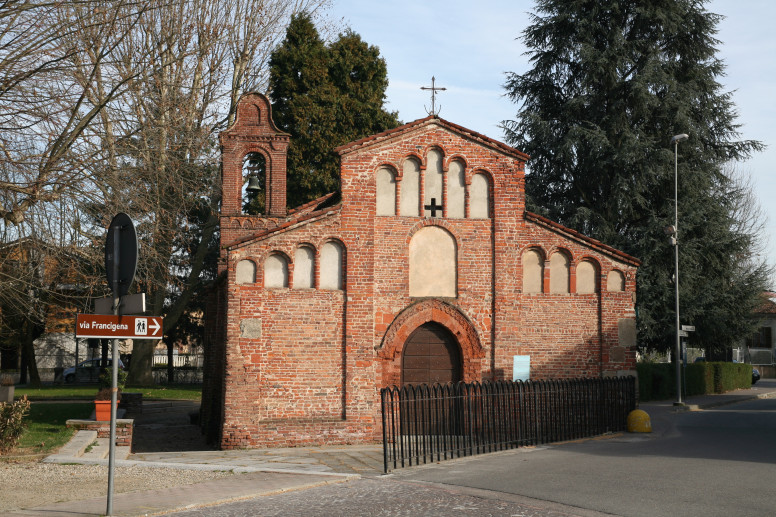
point(44, 112)
point(184, 66)
point(115, 105)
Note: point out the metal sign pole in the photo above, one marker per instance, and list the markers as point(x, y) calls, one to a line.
point(114, 372)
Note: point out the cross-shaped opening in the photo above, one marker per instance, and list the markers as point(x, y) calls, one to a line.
point(433, 207)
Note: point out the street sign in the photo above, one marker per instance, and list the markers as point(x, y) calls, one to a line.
point(129, 304)
point(123, 229)
point(688, 328)
point(118, 327)
point(683, 333)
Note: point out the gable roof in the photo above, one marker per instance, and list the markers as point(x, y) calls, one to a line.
point(312, 211)
point(767, 304)
point(580, 237)
point(390, 134)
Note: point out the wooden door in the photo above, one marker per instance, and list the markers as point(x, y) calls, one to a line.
point(431, 355)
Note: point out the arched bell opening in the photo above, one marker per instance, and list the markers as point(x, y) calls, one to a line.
point(254, 187)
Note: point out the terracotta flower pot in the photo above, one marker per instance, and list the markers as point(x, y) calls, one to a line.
point(102, 410)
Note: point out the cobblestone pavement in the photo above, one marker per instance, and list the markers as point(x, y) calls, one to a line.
point(388, 498)
point(366, 460)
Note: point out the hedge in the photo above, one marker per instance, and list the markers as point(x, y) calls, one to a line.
point(657, 381)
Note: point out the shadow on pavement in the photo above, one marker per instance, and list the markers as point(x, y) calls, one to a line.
point(166, 426)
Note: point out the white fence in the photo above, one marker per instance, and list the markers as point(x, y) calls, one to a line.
point(180, 360)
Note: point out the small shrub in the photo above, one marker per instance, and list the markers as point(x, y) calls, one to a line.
point(106, 379)
point(105, 394)
point(12, 422)
point(6, 380)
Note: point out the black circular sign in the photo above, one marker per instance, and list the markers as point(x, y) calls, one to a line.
point(121, 229)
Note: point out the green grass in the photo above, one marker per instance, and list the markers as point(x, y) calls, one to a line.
point(46, 429)
point(177, 392)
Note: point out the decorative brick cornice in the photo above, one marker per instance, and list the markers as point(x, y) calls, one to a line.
point(431, 120)
point(584, 239)
point(426, 311)
point(286, 226)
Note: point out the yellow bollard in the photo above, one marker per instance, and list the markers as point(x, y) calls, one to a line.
point(638, 422)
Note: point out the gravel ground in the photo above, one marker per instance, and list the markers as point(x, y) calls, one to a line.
point(31, 484)
point(28, 485)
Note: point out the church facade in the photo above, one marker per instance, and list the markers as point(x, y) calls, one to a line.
point(427, 269)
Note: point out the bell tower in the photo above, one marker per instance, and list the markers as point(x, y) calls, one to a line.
point(253, 154)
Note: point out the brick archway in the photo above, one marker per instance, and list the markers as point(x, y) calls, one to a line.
point(426, 311)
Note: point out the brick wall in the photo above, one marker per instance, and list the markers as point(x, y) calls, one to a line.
point(124, 429)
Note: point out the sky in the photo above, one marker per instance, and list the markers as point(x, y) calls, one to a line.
point(469, 46)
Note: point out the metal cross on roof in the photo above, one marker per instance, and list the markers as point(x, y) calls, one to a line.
point(433, 207)
point(433, 89)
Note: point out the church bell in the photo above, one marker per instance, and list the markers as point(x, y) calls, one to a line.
point(253, 184)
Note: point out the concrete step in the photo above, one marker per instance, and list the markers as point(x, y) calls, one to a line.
point(101, 451)
point(78, 444)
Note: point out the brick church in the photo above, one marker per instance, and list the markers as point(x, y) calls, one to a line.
point(427, 268)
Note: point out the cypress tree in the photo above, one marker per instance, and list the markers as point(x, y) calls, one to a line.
point(324, 96)
point(611, 82)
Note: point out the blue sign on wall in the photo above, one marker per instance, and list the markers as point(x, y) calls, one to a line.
point(521, 368)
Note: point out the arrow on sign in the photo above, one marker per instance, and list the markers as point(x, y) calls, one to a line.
point(154, 326)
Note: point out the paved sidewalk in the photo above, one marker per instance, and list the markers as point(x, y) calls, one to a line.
point(272, 471)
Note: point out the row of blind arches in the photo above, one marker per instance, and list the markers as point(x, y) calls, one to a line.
point(448, 190)
point(276, 270)
point(559, 266)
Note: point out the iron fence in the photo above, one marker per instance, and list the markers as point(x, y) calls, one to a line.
point(425, 424)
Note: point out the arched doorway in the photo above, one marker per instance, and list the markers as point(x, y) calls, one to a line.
point(431, 354)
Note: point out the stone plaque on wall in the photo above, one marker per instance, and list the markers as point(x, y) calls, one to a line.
point(626, 332)
point(250, 328)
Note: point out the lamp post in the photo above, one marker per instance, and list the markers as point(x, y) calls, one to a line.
point(675, 140)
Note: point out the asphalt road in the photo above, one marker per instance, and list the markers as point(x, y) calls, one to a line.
point(712, 463)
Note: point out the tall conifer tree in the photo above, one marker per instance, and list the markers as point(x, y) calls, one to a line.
point(324, 96)
point(611, 82)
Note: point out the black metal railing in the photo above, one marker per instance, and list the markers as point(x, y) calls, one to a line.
point(424, 424)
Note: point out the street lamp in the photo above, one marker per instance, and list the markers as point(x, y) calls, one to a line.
point(675, 140)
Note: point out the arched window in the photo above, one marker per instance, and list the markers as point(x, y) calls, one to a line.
point(332, 261)
point(275, 271)
point(479, 196)
point(456, 190)
point(304, 267)
point(245, 272)
point(410, 188)
point(533, 271)
point(587, 278)
point(386, 192)
point(432, 193)
point(254, 184)
point(615, 281)
point(559, 273)
point(433, 263)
